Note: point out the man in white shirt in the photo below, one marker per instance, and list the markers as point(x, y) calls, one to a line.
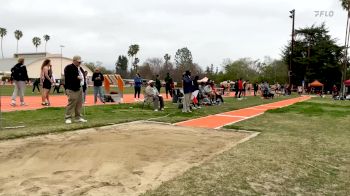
point(152, 93)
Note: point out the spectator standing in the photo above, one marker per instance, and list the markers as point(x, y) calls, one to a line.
point(158, 83)
point(240, 87)
point(46, 81)
point(74, 80)
point(168, 80)
point(137, 87)
point(187, 88)
point(19, 76)
point(36, 85)
point(236, 88)
point(256, 87)
point(98, 79)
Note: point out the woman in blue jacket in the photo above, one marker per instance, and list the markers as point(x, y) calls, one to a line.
point(138, 84)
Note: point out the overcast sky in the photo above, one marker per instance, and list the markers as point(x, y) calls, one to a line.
point(100, 30)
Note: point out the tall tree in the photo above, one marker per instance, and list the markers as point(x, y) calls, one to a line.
point(36, 42)
point(46, 38)
point(315, 56)
point(346, 6)
point(133, 50)
point(242, 68)
point(18, 36)
point(3, 32)
point(167, 58)
point(121, 66)
point(183, 59)
point(155, 65)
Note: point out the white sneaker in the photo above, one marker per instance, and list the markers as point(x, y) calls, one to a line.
point(82, 120)
point(68, 121)
point(156, 110)
point(13, 104)
point(24, 104)
point(162, 109)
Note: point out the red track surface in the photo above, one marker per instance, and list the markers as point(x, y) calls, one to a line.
point(34, 102)
point(220, 120)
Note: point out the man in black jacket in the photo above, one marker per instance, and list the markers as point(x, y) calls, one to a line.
point(74, 80)
point(98, 79)
point(19, 76)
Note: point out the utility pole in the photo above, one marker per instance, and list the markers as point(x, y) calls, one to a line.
point(292, 16)
point(345, 63)
point(62, 46)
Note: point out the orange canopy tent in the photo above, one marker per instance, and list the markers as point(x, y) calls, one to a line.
point(316, 83)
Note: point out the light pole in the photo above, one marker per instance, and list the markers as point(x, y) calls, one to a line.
point(62, 46)
point(292, 16)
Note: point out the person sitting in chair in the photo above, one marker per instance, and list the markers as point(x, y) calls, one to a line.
point(152, 93)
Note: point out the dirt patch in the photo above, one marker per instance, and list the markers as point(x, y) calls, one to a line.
point(125, 159)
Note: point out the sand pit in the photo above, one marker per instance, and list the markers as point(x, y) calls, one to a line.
point(125, 159)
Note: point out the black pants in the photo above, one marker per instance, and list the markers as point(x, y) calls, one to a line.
point(57, 89)
point(36, 86)
point(161, 102)
point(240, 93)
point(137, 91)
point(168, 90)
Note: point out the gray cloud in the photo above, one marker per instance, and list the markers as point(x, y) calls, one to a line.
point(213, 30)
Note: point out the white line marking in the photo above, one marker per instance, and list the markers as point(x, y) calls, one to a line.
point(233, 116)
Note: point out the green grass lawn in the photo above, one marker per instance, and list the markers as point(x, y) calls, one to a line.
point(49, 120)
point(303, 149)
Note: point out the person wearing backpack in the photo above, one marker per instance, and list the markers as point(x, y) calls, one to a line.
point(19, 76)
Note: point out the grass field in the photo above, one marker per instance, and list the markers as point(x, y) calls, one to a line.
point(303, 149)
point(50, 120)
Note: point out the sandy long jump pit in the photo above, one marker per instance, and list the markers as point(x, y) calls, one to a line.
point(124, 159)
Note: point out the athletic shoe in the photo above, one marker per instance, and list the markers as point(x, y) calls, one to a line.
point(156, 110)
point(24, 104)
point(13, 104)
point(82, 120)
point(68, 121)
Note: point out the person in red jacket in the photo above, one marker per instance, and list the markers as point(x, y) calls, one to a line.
point(240, 87)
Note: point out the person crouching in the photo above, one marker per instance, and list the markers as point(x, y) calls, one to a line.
point(152, 93)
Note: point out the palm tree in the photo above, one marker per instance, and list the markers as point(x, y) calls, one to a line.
point(133, 50)
point(167, 58)
point(36, 42)
point(18, 35)
point(46, 38)
point(346, 5)
point(3, 32)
